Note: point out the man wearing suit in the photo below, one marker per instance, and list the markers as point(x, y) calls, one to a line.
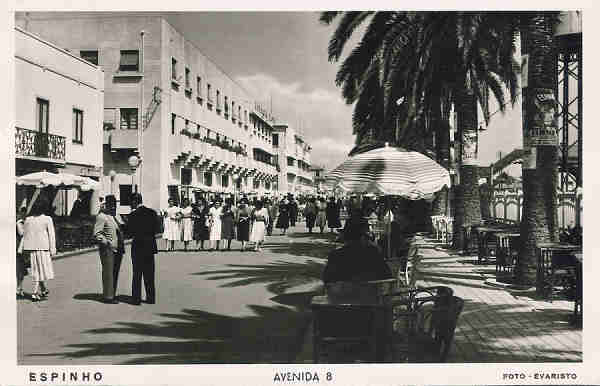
point(111, 248)
point(142, 226)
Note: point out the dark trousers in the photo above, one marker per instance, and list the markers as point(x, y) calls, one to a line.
point(111, 265)
point(143, 267)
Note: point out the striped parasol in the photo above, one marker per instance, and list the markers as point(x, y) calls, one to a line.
point(391, 171)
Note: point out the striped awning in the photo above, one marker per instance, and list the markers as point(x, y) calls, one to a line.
point(390, 171)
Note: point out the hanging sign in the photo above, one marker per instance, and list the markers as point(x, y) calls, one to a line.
point(469, 150)
point(543, 129)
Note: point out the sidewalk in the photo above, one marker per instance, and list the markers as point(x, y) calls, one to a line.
point(496, 325)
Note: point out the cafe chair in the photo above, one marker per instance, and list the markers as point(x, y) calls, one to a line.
point(563, 276)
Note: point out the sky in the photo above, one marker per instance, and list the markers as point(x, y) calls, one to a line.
point(282, 57)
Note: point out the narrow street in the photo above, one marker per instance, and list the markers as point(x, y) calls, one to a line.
point(212, 307)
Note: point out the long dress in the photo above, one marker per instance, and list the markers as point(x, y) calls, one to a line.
point(34, 228)
point(283, 221)
point(215, 229)
point(227, 229)
point(260, 219)
point(243, 223)
point(200, 228)
point(172, 232)
point(333, 216)
point(321, 218)
point(187, 224)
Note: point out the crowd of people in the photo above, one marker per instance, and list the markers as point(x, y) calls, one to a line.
point(247, 221)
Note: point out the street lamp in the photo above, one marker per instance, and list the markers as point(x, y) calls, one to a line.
point(112, 174)
point(134, 161)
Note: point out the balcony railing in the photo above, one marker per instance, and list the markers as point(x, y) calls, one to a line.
point(30, 143)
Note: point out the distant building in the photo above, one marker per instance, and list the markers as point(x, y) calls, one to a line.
point(318, 173)
point(59, 104)
point(199, 128)
point(293, 154)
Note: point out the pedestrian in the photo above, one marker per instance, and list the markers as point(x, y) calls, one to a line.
point(243, 223)
point(333, 215)
point(142, 225)
point(321, 219)
point(22, 265)
point(39, 243)
point(172, 231)
point(187, 231)
point(227, 223)
point(111, 247)
point(283, 221)
point(215, 225)
point(310, 212)
point(293, 205)
point(260, 220)
point(272, 208)
point(200, 217)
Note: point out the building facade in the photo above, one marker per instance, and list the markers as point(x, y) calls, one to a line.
point(293, 153)
point(193, 127)
point(59, 107)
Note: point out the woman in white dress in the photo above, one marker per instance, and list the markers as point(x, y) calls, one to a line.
point(215, 225)
point(260, 219)
point(172, 231)
point(39, 242)
point(187, 223)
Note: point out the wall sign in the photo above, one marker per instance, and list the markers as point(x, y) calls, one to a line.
point(544, 125)
point(469, 151)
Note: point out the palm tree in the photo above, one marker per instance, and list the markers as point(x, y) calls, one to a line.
point(419, 56)
point(539, 218)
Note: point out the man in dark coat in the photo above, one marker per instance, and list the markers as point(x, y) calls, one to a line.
point(357, 260)
point(143, 225)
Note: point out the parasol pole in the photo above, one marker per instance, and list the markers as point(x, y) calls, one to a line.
point(388, 226)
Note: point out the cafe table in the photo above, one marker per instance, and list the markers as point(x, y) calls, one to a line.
point(506, 250)
point(483, 233)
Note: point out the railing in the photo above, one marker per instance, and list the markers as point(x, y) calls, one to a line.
point(30, 143)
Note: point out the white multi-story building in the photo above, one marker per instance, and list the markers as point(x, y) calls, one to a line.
point(168, 104)
point(59, 107)
point(293, 152)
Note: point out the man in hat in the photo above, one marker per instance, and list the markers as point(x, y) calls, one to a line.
point(143, 226)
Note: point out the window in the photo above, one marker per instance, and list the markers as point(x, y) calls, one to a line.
point(90, 56)
point(208, 179)
point(208, 93)
point(187, 124)
point(173, 118)
point(125, 194)
point(174, 69)
point(186, 176)
point(77, 126)
point(233, 109)
point(207, 133)
point(199, 86)
point(226, 107)
point(129, 119)
point(130, 60)
point(188, 84)
point(218, 100)
point(225, 181)
point(239, 112)
point(43, 115)
point(290, 161)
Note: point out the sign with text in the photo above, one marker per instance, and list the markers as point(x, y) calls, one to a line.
point(469, 150)
point(543, 130)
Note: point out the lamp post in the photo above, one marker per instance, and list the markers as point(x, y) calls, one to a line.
point(134, 161)
point(112, 174)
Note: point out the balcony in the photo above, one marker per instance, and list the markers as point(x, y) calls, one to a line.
point(36, 145)
point(123, 139)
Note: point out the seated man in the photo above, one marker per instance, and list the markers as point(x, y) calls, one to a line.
point(357, 260)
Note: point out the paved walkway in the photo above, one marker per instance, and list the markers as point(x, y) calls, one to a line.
point(497, 325)
point(233, 307)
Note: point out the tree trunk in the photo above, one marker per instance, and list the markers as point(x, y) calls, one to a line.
point(539, 219)
point(442, 142)
point(468, 209)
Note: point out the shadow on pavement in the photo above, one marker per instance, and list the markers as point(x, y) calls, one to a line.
point(96, 297)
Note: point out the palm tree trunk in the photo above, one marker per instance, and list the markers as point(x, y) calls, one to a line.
point(468, 204)
point(539, 219)
point(442, 148)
